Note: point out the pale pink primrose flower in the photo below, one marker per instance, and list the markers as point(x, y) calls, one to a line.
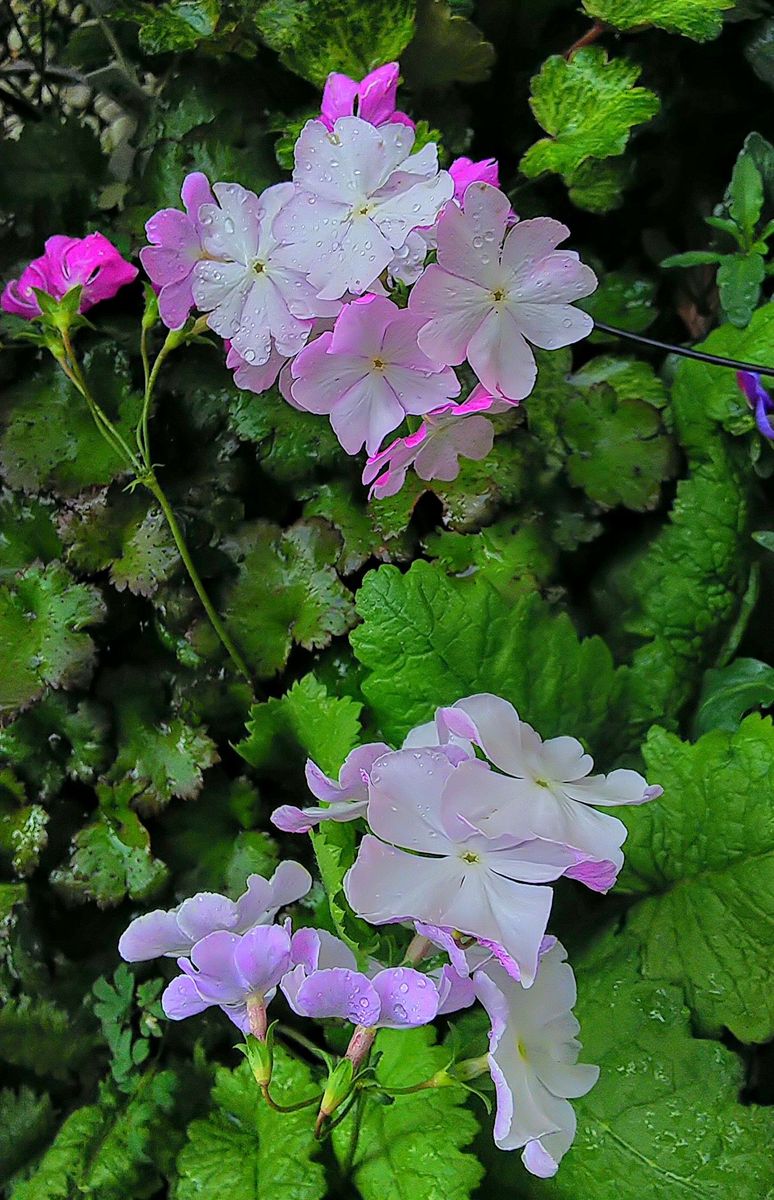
point(345, 799)
point(493, 290)
point(446, 434)
point(325, 982)
point(428, 863)
point(177, 930)
point(255, 377)
point(91, 262)
point(374, 97)
point(545, 786)
point(533, 1060)
point(369, 373)
point(254, 298)
point(176, 248)
point(359, 191)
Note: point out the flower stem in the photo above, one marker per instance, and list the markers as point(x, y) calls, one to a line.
point(587, 39)
point(74, 373)
point(153, 486)
point(289, 1108)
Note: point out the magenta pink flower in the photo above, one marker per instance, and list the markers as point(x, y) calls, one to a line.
point(92, 261)
point(369, 373)
point(447, 434)
point(494, 289)
point(373, 98)
point(465, 171)
point(176, 248)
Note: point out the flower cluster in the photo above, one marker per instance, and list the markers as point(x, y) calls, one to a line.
point(294, 281)
point(467, 824)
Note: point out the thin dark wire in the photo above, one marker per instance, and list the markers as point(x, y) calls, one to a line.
point(715, 360)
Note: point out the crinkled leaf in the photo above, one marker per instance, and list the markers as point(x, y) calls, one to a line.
point(110, 1150)
point(245, 1151)
point(290, 444)
point(597, 186)
point(173, 26)
point(286, 591)
point(27, 533)
point(622, 299)
point(706, 851)
point(335, 847)
point(698, 19)
point(315, 37)
point(428, 640)
point(515, 555)
point(415, 1148)
point(353, 517)
point(664, 1120)
point(446, 48)
point(125, 533)
point(43, 616)
point(588, 106)
point(728, 693)
point(57, 739)
point(42, 1037)
point(48, 438)
point(305, 721)
point(111, 858)
point(23, 834)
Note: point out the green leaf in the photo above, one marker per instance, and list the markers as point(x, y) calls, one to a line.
point(351, 514)
point(597, 186)
point(729, 693)
point(415, 1148)
point(173, 26)
point(622, 299)
point(335, 847)
point(43, 615)
point(42, 1037)
point(516, 556)
point(26, 1120)
point(745, 196)
point(160, 755)
point(694, 258)
point(305, 721)
point(446, 48)
point(315, 37)
point(286, 591)
point(739, 282)
point(110, 1150)
point(710, 923)
point(664, 1120)
point(588, 106)
point(57, 739)
point(27, 533)
point(428, 640)
point(23, 834)
point(49, 440)
point(125, 533)
point(290, 444)
point(244, 1150)
point(51, 172)
point(697, 19)
point(111, 858)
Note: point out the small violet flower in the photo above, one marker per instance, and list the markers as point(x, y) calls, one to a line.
point(359, 191)
point(369, 373)
point(91, 262)
point(533, 1060)
point(759, 399)
point(326, 983)
point(345, 800)
point(374, 97)
point(254, 297)
point(446, 434)
point(429, 863)
point(176, 247)
point(545, 787)
point(235, 972)
point(177, 931)
point(494, 289)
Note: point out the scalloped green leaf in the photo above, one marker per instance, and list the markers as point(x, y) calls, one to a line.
point(697, 19)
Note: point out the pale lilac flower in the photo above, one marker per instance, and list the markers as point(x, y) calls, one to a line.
point(446, 434)
point(229, 970)
point(176, 247)
point(428, 863)
point(533, 1059)
point(546, 787)
point(374, 97)
point(92, 261)
point(467, 955)
point(494, 289)
point(369, 373)
point(465, 171)
point(345, 799)
point(253, 296)
point(176, 931)
point(359, 193)
point(326, 983)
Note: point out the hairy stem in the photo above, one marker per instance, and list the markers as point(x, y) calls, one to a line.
point(587, 39)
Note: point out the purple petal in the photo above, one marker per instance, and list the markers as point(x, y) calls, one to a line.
point(204, 913)
point(181, 999)
point(216, 975)
point(454, 991)
point(338, 993)
point(262, 957)
point(407, 998)
point(151, 935)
